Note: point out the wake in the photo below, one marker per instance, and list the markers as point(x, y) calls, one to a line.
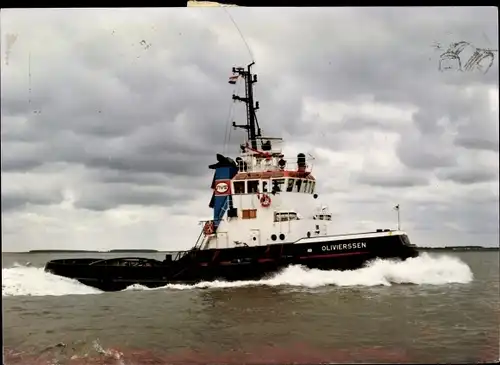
point(422, 270)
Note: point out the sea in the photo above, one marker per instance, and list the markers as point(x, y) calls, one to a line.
point(441, 307)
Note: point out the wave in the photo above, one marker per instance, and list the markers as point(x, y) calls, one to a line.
point(422, 270)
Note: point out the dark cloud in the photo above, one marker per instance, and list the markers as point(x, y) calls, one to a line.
point(366, 123)
point(154, 179)
point(20, 200)
point(21, 155)
point(427, 153)
point(391, 180)
point(98, 197)
point(489, 143)
point(469, 176)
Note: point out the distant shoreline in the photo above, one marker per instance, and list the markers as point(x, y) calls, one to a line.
point(458, 248)
point(89, 251)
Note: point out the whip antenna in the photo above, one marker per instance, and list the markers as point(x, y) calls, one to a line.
point(29, 78)
point(241, 34)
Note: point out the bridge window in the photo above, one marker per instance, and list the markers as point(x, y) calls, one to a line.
point(253, 186)
point(298, 185)
point(313, 186)
point(285, 216)
point(306, 186)
point(249, 213)
point(278, 184)
point(264, 186)
point(290, 184)
point(323, 217)
point(239, 187)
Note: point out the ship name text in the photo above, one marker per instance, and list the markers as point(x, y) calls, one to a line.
point(344, 246)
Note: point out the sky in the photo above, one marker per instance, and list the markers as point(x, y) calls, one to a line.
point(110, 118)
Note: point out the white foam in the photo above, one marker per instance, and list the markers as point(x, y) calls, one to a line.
point(425, 269)
point(23, 280)
point(422, 270)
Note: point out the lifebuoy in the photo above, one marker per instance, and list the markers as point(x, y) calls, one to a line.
point(265, 200)
point(208, 229)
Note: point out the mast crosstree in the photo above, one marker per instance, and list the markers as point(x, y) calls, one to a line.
point(252, 125)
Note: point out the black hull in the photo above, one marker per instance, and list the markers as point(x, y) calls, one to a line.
point(242, 263)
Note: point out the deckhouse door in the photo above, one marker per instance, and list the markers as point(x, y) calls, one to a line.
point(222, 240)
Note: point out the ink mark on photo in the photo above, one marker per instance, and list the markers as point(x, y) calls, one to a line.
point(463, 56)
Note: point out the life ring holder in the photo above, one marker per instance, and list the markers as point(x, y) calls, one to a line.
point(209, 228)
point(265, 200)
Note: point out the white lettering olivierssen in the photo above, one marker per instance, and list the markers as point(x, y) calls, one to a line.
point(344, 246)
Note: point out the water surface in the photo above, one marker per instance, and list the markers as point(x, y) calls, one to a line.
point(437, 308)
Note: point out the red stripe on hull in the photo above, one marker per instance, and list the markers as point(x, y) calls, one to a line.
point(301, 257)
point(265, 260)
point(334, 255)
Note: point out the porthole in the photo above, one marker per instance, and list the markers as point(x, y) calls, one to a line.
point(282, 236)
point(254, 238)
point(273, 237)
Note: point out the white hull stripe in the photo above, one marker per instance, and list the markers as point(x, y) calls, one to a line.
point(349, 237)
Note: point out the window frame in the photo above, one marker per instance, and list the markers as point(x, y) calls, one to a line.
point(235, 190)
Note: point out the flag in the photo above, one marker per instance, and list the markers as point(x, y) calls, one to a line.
point(396, 207)
point(232, 79)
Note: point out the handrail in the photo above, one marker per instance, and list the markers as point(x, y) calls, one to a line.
point(250, 169)
point(199, 240)
point(201, 237)
point(196, 246)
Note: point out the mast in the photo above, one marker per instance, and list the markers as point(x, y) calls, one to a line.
point(252, 126)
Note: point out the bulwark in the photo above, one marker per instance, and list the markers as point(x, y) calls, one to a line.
point(344, 246)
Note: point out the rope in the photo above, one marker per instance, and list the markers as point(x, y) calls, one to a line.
point(227, 135)
point(241, 34)
point(227, 132)
point(29, 78)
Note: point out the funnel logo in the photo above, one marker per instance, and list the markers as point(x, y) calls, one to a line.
point(222, 188)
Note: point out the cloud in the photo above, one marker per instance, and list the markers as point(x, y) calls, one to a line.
point(393, 181)
point(108, 131)
point(469, 176)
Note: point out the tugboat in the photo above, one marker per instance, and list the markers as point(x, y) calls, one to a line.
point(265, 218)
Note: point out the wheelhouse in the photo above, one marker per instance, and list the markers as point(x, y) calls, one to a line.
point(254, 183)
